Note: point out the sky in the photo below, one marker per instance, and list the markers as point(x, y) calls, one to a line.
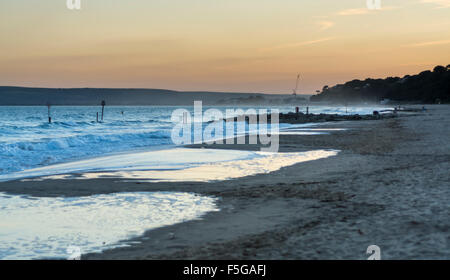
point(219, 45)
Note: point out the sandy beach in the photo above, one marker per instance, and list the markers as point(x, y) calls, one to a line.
point(389, 186)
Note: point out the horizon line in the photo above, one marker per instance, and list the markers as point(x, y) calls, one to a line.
point(141, 88)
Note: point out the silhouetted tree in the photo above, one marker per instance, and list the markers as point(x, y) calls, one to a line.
point(439, 69)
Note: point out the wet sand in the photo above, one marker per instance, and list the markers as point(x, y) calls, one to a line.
point(389, 186)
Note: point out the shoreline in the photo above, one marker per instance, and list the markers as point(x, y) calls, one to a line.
point(329, 208)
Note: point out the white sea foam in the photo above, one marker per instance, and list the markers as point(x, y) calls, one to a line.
point(32, 228)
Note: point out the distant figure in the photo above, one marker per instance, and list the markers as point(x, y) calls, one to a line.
point(376, 113)
point(121, 113)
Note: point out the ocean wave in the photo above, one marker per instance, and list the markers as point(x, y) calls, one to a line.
point(21, 155)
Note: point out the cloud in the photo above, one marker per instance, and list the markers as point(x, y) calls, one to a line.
point(351, 12)
point(324, 25)
point(299, 44)
point(365, 11)
point(440, 3)
point(430, 43)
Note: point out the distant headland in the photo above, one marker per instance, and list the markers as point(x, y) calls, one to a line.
point(27, 96)
point(425, 87)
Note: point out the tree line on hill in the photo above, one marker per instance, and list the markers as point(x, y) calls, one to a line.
point(425, 87)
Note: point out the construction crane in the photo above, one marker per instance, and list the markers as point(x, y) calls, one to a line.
point(296, 85)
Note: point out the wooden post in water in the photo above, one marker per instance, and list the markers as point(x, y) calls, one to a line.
point(48, 112)
point(103, 107)
point(97, 116)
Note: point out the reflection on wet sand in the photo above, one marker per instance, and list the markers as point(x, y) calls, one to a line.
point(262, 163)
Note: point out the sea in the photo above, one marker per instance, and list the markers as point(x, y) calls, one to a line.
point(28, 141)
point(132, 142)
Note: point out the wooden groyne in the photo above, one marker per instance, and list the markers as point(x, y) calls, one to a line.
point(298, 118)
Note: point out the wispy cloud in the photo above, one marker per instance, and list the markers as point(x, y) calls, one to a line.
point(324, 25)
point(430, 43)
point(440, 3)
point(351, 12)
point(299, 44)
point(365, 11)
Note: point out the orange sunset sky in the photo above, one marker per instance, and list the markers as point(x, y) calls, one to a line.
point(218, 45)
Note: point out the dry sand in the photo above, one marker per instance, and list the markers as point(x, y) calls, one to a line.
point(389, 186)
